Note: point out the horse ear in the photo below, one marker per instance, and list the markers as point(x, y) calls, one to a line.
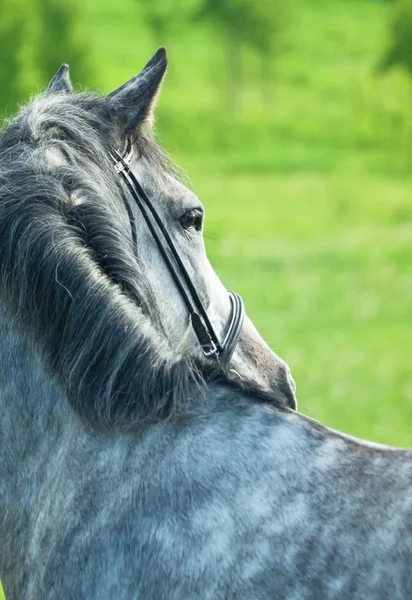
point(134, 102)
point(61, 82)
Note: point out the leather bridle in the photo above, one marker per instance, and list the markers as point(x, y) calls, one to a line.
point(221, 351)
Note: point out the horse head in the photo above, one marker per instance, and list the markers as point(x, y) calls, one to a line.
point(82, 273)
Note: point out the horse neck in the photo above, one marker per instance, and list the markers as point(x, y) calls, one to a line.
point(32, 420)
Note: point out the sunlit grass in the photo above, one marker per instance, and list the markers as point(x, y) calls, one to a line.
point(326, 277)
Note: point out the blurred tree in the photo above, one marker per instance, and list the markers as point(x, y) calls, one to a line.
point(399, 50)
point(36, 36)
point(11, 34)
point(59, 41)
point(164, 17)
point(258, 24)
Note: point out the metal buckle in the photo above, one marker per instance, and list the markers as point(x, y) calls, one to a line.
point(120, 166)
point(125, 160)
point(213, 349)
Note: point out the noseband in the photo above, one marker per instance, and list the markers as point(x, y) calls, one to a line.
point(212, 348)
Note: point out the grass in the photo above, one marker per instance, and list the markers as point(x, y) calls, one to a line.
point(331, 294)
point(308, 195)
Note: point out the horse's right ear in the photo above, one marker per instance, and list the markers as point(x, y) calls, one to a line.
point(61, 82)
point(133, 103)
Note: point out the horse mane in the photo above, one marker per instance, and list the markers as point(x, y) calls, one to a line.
point(69, 276)
point(70, 279)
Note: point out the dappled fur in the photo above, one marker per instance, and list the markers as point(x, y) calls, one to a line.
point(69, 274)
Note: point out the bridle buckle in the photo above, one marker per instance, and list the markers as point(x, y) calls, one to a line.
point(211, 350)
point(120, 162)
point(120, 166)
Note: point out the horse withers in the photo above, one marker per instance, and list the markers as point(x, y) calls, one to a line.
point(134, 463)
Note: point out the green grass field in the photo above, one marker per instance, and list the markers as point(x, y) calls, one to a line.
point(308, 196)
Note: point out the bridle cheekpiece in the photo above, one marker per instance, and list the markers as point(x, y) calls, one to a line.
point(223, 351)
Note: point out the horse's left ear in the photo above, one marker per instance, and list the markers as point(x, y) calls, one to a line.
point(134, 102)
point(61, 82)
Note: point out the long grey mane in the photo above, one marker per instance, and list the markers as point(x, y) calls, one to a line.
point(69, 275)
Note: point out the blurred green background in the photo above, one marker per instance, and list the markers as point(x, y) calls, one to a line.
point(294, 121)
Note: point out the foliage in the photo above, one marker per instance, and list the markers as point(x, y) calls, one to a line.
point(11, 39)
point(167, 17)
point(36, 36)
point(259, 24)
point(58, 41)
point(399, 51)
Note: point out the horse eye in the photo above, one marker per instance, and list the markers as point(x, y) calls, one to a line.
point(192, 219)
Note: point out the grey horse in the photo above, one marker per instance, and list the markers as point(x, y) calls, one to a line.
point(131, 466)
